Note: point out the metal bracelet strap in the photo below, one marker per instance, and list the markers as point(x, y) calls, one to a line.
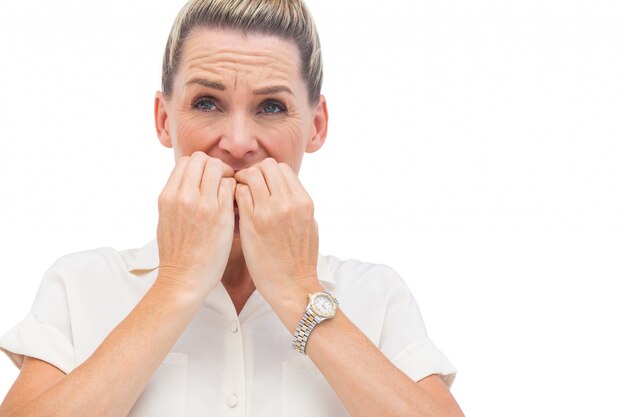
point(303, 330)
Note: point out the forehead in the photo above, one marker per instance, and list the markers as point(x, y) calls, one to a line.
point(251, 58)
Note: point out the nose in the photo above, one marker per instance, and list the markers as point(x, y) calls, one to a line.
point(239, 139)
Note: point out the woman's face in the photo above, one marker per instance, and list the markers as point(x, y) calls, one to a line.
point(240, 98)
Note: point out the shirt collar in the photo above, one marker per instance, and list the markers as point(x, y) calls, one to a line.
point(147, 259)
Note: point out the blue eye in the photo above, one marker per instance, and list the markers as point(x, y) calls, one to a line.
point(271, 107)
point(205, 104)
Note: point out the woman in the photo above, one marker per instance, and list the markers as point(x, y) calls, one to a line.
point(232, 309)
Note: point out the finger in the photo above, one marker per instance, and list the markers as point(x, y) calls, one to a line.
point(245, 202)
point(214, 171)
point(226, 193)
point(274, 177)
point(173, 182)
point(253, 178)
point(193, 173)
point(228, 170)
point(291, 179)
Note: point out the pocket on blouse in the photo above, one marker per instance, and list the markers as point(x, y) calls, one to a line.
point(166, 392)
point(306, 393)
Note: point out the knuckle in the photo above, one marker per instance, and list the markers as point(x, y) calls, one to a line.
point(213, 163)
point(206, 209)
point(263, 217)
point(199, 155)
point(165, 199)
point(306, 205)
point(269, 161)
point(187, 201)
point(285, 207)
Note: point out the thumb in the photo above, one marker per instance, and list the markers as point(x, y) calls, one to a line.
point(244, 199)
point(225, 193)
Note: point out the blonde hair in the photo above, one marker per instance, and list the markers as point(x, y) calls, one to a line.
point(287, 19)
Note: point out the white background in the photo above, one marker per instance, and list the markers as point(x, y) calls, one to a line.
point(478, 147)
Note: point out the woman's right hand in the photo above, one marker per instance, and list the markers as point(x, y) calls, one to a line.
point(196, 224)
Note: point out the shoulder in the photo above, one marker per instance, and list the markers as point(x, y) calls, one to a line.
point(355, 274)
point(374, 296)
point(85, 294)
point(367, 289)
point(103, 266)
point(103, 256)
point(144, 258)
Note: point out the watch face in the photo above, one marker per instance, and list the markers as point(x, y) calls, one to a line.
point(323, 305)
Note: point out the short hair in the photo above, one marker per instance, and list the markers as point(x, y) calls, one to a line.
point(287, 19)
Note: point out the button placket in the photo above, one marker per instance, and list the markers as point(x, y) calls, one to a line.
point(234, 386)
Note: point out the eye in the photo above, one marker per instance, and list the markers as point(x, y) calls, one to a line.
point(205, 104)
point(272, 107)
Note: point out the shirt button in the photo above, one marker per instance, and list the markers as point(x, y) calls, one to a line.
point(232, 401)
point(234, 327)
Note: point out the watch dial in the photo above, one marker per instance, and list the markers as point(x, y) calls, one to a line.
point(323, 305)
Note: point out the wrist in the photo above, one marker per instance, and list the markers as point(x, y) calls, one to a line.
point(290, 304)
point(178, 291)
point(322, 306)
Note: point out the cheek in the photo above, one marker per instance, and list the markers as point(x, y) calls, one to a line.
point(193, 134)
point(285, 142)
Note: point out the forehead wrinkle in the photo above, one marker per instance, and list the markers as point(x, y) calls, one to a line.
point(259, 50)
point(232, 62)
point(255, 75)
point(202, 48)
point(255, 57)
point(222, 45)
point(257, 66)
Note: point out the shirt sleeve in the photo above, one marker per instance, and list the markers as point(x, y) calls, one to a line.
point(45, 333)
point(404, 339)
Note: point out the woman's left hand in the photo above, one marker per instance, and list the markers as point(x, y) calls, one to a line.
point(279, 235)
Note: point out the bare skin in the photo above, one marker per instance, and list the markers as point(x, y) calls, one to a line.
point(234, 131)
point(239, 121)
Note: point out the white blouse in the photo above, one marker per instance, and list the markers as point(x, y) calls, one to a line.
point(222, 364)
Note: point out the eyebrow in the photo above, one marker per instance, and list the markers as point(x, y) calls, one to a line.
point(273, 90)
point(209, 84)
point(216, 85)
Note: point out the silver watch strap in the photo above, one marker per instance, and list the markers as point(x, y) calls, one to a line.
point(304, 329)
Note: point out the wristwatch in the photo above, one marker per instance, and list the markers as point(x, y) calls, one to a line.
point(322, 306)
